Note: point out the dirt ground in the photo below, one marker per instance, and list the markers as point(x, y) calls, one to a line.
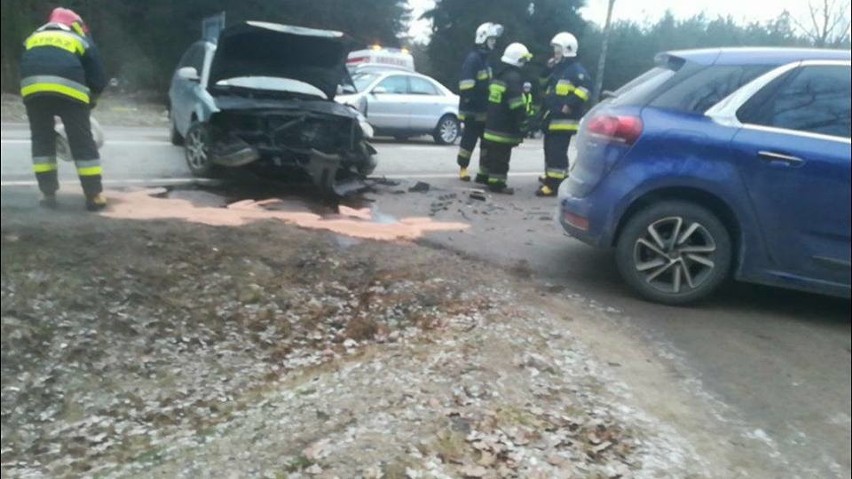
point(164, 348)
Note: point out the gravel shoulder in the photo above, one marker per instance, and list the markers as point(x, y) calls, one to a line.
point(169, 349)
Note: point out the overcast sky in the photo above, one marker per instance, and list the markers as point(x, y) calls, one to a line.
point(743, 11)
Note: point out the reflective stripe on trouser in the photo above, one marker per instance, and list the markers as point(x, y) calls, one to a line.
point(497, 162)
point(471, 134)
point(41, 111)
point(556, 157)
point(471, 116)
point(45, 169)
point(563, 124)
point(90, 172)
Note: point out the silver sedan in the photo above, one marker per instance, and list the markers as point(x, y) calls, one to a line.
point(404, 104)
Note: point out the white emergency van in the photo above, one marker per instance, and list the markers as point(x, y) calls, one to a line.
point(380, 57)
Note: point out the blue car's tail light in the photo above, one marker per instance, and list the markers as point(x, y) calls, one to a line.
point(620, 129)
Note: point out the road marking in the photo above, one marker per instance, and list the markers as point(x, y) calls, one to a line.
point(133, 181)
point(21, 141)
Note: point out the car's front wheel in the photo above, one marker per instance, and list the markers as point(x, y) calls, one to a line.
point(447, 131)
point(174, 135)
point(674, 252)
point(197, 151)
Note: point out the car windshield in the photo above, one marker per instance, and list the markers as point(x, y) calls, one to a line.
point(272, 84)
point(363, 80)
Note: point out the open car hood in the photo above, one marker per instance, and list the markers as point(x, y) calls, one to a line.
point(260, 49)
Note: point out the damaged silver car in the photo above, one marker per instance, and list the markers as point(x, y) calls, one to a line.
point(260, 96)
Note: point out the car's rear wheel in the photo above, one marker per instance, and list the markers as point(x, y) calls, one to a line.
point(447, 131)
point(197, 151)
point(674, 252)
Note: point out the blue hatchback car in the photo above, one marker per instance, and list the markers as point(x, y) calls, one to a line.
point(720, 163)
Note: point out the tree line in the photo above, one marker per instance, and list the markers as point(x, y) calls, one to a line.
point(142, 40)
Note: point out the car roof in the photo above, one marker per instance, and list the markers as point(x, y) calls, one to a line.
point(752, 55)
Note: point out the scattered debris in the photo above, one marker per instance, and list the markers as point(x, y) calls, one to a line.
point(419, 187)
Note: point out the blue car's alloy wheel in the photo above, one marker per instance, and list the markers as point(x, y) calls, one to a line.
point(674, 252)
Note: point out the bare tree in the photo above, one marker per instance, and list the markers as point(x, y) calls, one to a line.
point(829, 22)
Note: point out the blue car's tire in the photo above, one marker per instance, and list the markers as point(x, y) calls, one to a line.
point(674, 252)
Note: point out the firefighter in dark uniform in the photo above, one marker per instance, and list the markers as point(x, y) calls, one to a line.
point(61, 76)
point(506, 122)
point(473, 96)
point(565, 101)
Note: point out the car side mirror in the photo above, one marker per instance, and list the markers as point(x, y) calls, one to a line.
point(188, 73)
point(379, 90)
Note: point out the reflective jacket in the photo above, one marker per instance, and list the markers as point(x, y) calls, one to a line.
point(58, 61)
point(567, 85)
point(473, 85)
point(506, 113)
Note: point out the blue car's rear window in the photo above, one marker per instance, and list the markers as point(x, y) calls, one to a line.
point(684, 86)
point(704, 88)
point(639, 90)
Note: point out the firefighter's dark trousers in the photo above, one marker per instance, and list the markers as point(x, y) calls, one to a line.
point(473, 131)
point(497, 162)
point(556, 157)
point(41, 111)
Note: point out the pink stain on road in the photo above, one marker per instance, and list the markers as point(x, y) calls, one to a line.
point(357, 223)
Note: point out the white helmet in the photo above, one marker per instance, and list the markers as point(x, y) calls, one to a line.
point(567, 42)
point(488, 30)
point(516, 54)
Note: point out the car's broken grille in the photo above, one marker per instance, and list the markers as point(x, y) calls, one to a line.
point(324, 134)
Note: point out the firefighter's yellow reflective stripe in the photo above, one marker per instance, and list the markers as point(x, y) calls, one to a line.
point(90, 171)
point(77, 28)
point(58, 39)
point(464, 153)
point(556, 174)
point(44, 164)
point(471, 116)
point(517, 102)
point(583, 93)
point(483, 75)
point(495, 91)
point(467, 84)
point(559, 124)
point(54, 84)
point(500, 138)
point(89, 168)
point(496, 179)
point(564, 88)
point(44, 168)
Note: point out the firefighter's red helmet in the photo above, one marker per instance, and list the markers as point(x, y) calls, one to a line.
point(68, 17)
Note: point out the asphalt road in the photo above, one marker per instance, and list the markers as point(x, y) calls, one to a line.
point(773, 364)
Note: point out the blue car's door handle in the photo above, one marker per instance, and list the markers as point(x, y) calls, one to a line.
point(773, 157)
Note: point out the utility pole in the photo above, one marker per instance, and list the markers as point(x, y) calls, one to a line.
point(596, 93)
